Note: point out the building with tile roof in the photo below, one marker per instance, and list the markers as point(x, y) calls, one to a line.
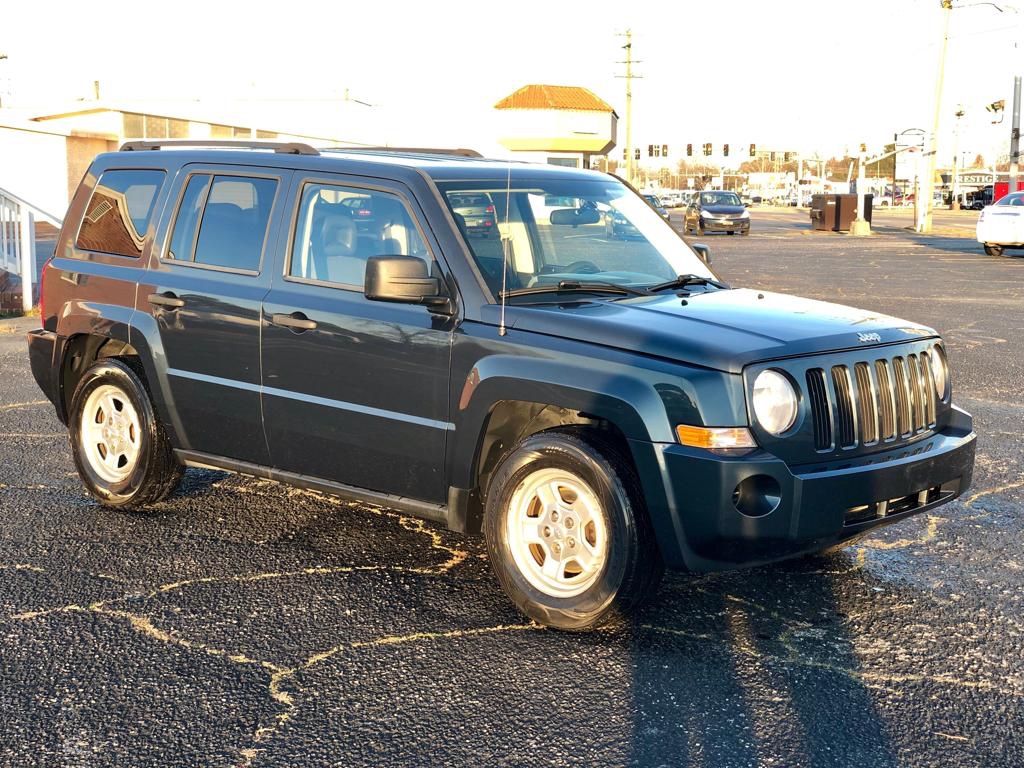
point(557, 124)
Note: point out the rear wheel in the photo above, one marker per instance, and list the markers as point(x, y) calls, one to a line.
point(120, 448)
point(993, 250)
point(567, 533)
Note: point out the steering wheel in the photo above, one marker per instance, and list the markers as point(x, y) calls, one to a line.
point(586, 267)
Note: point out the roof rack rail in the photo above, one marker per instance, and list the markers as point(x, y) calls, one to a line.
point(281, 147)
point(459, 151)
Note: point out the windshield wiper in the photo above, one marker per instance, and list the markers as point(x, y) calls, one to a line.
point(574, 286)
point(684, 280)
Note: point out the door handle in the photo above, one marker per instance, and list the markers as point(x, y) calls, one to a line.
point(168, 300)
point(296, 321)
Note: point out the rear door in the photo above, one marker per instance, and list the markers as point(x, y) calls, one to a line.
point(354, 391)
point(206, 285)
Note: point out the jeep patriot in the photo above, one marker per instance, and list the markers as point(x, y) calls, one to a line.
point(599, 409)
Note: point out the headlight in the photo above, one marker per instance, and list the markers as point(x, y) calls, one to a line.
point(745, 215)
point(774, 402)
point(940, 370)
point(706, 215)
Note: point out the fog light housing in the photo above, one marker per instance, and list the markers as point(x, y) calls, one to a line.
point(757, 496)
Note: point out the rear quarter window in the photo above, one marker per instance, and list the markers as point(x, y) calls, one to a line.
point(119, 211)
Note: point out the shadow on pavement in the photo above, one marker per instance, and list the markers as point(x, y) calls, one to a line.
point(753, 670)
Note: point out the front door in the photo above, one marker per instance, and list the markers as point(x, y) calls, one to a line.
point(205, 288)
point(354, 391)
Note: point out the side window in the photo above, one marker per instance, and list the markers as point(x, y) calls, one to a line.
point(339, 228)
point(234, 222)
point(119, 211)
point(186, 220)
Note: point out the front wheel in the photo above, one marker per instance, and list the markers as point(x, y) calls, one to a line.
point(993, 250)
point(567, 533)
point(120, 448)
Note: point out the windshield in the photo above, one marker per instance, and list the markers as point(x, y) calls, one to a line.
point(552, 230)
point(1014, 199)
point(719, 198)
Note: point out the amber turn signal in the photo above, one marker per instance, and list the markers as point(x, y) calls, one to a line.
point(716, 438)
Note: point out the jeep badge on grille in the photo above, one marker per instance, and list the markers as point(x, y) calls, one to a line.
point(868, 337)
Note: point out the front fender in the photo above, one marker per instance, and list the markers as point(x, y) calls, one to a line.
point(629, 402)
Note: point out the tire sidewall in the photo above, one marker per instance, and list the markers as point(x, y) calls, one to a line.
point(561, 452)
point(118, 374)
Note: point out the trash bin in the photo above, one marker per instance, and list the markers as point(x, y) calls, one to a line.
point(835, 213)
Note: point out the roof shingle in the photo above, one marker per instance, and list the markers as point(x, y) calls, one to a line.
point(554, 97)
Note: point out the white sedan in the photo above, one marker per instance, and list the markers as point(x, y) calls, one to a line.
point(1002, 225)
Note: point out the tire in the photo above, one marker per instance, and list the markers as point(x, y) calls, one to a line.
point(619, 563)
point(993, 250)
point(132, 465)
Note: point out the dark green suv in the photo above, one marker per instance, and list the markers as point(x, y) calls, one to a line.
point(600, 409)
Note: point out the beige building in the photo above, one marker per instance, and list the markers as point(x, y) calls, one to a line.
point(557, 124)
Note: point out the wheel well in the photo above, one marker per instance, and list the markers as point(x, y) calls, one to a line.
point(512, 420)
point(82, 351)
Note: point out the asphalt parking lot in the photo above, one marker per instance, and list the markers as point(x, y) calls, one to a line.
point(244, 623)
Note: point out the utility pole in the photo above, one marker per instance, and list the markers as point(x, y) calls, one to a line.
point(629, 77)
point(3, 57)
point(955, 203)
point(1015, 135)
point(860, 226)
point(923, 223)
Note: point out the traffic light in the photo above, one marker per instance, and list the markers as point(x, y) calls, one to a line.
point(650, 150)
point(773, 157)
point(636, 153)
point(707, 149)
point(753, 150)
point(725, 150)
point(624, 156)
point(786, 156)
point(863, 147)
point(664, 150)
point(689, 150)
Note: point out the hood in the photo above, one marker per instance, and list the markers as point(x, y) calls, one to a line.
point(731, 209)
point(725, 330)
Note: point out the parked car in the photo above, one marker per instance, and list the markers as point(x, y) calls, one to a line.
point(478, 215)
point(1001, 226)
point(657, 205)
point(717, 212)
point(599, 411)
point(618, 225)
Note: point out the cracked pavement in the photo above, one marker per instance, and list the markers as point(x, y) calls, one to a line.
point(243, 623)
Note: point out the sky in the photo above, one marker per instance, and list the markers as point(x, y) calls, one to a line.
point(813, 75)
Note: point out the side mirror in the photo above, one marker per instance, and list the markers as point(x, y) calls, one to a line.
point(574, 216)
point(402, 279)
point(703, 251)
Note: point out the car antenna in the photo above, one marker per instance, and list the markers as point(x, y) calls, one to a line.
point(506, 239)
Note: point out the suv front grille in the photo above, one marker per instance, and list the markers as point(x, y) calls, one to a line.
point(893, 398)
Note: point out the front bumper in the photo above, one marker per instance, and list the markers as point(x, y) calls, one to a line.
point(731, 225)
point(695, 498)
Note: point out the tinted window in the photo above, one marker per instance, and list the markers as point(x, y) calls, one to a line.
point(234, 222)
point(186, 221)
point(339, 228)
point(119, 211)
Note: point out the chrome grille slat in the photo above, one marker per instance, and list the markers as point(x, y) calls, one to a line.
point(904, 426)
point(886, 400)
point(846, 414)
point(867, 403)
point(916, 393)
point(928, 384)
point(821, 409)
